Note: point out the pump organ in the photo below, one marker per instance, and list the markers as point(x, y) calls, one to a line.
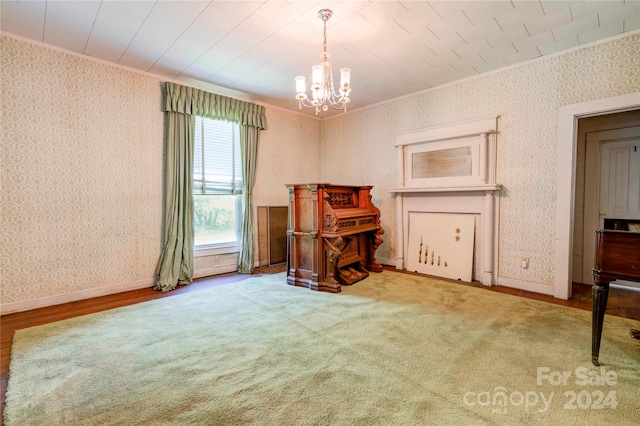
point(332, 236)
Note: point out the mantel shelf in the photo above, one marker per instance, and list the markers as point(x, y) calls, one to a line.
point(461, 188)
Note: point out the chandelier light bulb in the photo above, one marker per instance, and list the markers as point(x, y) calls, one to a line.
point(301, 87)
point(323, 93)
point(345, 76)
point(316, 74)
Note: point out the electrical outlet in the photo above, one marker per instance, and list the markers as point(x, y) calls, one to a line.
point(524, 262)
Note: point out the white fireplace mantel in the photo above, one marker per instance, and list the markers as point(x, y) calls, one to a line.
point(462, 188)
point(474, 191)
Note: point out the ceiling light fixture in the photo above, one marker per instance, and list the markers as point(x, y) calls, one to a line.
point(322, 90)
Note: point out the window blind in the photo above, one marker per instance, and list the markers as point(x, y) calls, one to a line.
point(217, 165)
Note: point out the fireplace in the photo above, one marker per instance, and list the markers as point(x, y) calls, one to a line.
point(451, 170)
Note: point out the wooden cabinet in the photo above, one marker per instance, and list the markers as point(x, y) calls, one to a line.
point(332, 236)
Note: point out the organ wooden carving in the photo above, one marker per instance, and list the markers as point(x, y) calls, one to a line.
point(332, 236)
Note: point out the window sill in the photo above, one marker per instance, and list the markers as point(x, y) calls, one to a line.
point(213, 251)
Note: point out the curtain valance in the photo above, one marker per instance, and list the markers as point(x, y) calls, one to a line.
point(188, 100)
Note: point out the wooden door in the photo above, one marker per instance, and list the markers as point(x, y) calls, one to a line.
point(620, 180)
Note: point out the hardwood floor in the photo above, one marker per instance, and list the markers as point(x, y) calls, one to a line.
point(621, 303)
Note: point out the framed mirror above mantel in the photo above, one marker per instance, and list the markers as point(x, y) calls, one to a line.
point(451, 169)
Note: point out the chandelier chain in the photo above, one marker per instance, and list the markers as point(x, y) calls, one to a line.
point(324, 43)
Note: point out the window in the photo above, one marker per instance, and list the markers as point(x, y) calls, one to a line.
point(217, 184)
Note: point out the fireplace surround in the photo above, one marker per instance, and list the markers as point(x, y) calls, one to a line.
point(451, 169)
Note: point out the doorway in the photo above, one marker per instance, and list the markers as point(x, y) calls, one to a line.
point(568, 180)
point(611, 181)
point(596, 137)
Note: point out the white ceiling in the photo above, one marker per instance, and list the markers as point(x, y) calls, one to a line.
point(256, 48)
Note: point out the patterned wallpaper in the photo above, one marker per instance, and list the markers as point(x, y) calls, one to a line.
point(81, 160)
point(358, 146)
point(81, 173)
point(289, 153)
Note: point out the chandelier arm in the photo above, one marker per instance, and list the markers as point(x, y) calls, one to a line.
point(334, 95)
point(308, 103)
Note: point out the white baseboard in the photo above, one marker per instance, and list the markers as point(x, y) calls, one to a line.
point(217, 270)
point(26, 305)
point(58, 299)
point(507, 282)
point(525, 285)
point(386, 261)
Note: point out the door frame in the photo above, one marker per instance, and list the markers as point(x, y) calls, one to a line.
point(566, 177)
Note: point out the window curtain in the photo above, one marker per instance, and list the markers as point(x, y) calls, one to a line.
point(249, 140)
point(175, 266)
point(181, 104)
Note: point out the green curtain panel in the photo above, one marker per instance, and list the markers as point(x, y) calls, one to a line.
point(249, 141)
point(189, 100)
point(175, 266)
point(181, 104)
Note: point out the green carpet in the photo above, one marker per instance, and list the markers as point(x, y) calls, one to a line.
point(394, 349)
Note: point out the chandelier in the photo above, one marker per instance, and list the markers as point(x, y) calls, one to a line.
point(322, 89)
